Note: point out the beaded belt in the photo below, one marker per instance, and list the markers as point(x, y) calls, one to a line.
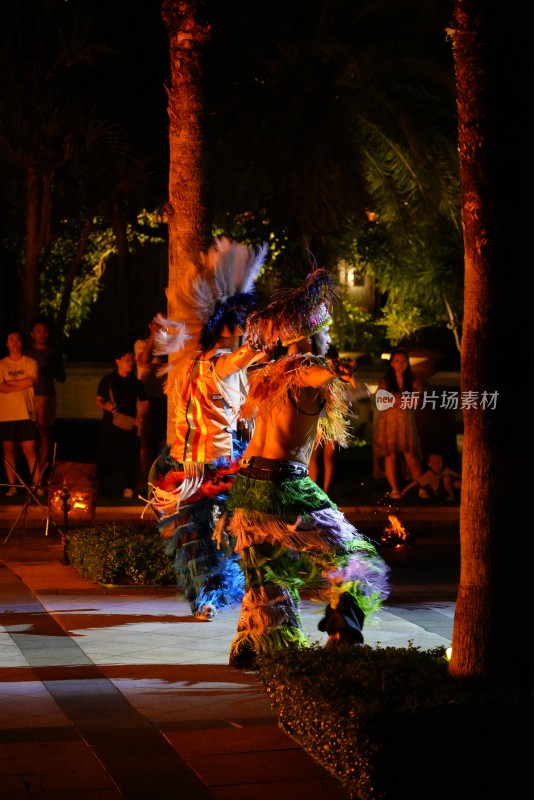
point(265, 468)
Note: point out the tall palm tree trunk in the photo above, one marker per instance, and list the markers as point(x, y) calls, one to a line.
point(493, 610)
point(188, 233)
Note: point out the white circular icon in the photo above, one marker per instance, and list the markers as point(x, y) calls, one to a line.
point(384, 400)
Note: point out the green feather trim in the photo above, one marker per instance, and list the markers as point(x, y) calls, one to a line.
point(286, 500)
point(369, 604)
point(268, 641)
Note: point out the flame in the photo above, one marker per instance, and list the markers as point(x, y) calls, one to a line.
point(395, 533)
point(81, 505)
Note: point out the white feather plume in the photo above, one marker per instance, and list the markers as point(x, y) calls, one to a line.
point(235, 266)
point(228, 268)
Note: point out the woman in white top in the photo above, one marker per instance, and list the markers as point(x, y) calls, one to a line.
point(18, 376)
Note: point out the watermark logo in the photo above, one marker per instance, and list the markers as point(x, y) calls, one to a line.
point(384, 400)
point(433, 399)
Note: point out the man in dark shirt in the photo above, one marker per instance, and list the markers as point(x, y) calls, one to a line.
point(118, 447)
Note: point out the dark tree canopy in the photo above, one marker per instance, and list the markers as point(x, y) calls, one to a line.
point(316, 112)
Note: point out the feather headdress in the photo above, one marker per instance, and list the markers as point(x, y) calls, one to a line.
point(295, 313)
point(213, 298)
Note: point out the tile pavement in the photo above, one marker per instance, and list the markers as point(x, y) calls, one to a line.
point(108, 693)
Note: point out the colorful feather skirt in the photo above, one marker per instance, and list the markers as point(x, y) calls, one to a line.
point(205, 573)
point(291, 537)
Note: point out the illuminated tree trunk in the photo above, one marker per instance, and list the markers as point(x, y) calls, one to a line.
point(493, 612)
point(187, 232)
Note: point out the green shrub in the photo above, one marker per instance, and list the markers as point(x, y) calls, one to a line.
point(120, 554)
point(391, 722)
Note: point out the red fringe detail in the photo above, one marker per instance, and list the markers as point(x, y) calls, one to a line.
point(214, 482)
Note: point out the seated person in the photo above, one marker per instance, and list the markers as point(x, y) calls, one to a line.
point(438, 482)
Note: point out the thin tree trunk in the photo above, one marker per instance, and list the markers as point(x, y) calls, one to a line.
point(73, 270)
point(124, 283)
point(493, 610)
point(38, 209)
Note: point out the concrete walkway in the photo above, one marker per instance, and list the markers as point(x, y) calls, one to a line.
point(109, 693)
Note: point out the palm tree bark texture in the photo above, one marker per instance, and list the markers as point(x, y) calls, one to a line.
point(493, 62)
point(188, 233)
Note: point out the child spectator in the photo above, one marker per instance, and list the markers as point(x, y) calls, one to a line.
point(438, 482)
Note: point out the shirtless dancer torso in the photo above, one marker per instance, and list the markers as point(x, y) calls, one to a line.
point(288, 533)
point(290, 433)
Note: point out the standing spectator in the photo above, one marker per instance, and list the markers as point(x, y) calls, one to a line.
point(326, 449)
point(124, 400)
point(328, 452)
point(154, 430)
point(18, 376)
point(51, 369)
point(396, 430)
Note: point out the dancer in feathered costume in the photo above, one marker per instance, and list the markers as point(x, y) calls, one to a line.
point(289, 534)
point(206, 385)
